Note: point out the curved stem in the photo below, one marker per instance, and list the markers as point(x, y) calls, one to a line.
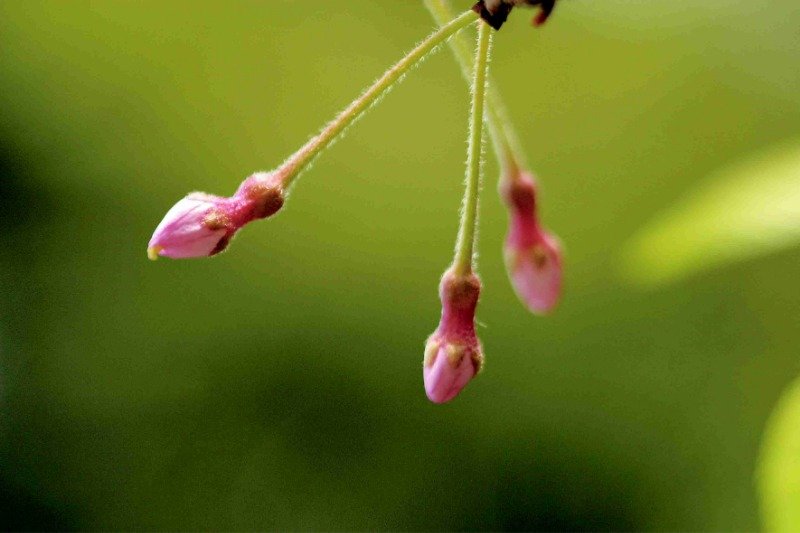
point(301, 159)
point(462, 264)
point(504, 137)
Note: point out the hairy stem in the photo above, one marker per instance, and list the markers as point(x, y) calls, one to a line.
point(462, 264)
point(504, 137)
point(300, 160)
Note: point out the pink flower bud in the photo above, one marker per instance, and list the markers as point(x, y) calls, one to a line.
point(202, 225)
point(453, 353)
point(533, 256)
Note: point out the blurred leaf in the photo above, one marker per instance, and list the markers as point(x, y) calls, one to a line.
point(740, 212)
point(779, 466)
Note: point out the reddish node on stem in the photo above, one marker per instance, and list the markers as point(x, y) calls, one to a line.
point(495, 12)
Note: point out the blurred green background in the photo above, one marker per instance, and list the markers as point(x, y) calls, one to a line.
point(278, 386)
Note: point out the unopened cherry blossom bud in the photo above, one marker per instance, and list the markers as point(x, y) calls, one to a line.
point(533, 256)
point(201, 225)
point(453, 353)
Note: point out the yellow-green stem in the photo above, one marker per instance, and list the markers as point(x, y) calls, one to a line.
point(504, 137)
point(462, 264)
point(300, 160)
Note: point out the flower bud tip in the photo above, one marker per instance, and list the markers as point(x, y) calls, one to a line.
point(197, 226)
point(153, 251)
point(536, 273)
